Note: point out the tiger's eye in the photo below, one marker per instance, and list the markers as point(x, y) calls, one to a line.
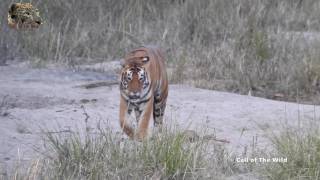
point(145, 59)
point(141, 78)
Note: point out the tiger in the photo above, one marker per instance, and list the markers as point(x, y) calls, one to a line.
point(23, 16)
point(143, 90)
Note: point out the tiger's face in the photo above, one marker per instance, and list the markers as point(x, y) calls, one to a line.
point(135, 83)
point(24, 15)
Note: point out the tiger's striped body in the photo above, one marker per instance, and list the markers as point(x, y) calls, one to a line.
point(143, 89)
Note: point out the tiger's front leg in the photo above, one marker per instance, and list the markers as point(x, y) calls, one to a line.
point(124, 114)
point(143, 118)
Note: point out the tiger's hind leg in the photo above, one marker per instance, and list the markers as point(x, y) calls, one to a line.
point(159, 106)
point(158, 112)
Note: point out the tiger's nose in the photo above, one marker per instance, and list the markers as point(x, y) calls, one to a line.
point(135, 94)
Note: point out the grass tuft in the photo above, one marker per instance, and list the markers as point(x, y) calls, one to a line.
point(302, 150)
point(107, 155)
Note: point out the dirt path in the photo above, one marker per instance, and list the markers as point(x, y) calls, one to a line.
point(37, 98)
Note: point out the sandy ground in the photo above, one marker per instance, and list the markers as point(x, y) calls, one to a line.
point(34, 99)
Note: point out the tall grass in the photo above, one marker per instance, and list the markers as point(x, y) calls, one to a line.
point(301, 147)
point(169, 155)
point(106, 155)
point(264, 46)
point(303, 155)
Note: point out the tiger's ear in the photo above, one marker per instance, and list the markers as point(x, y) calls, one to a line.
point(12, 8)
point(122, 63)
point(145, 59)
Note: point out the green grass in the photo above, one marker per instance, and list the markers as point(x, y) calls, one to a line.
point(302, 149)
point(107, 155)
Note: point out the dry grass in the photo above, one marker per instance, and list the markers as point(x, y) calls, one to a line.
point(267, 47)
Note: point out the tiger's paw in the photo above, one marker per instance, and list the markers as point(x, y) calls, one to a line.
point(140, 136)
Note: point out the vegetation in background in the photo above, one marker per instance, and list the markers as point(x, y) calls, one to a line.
point(267, 47)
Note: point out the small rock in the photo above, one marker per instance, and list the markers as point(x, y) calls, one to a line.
point(84, 101)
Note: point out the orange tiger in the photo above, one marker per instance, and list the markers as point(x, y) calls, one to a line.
point(143, 89)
